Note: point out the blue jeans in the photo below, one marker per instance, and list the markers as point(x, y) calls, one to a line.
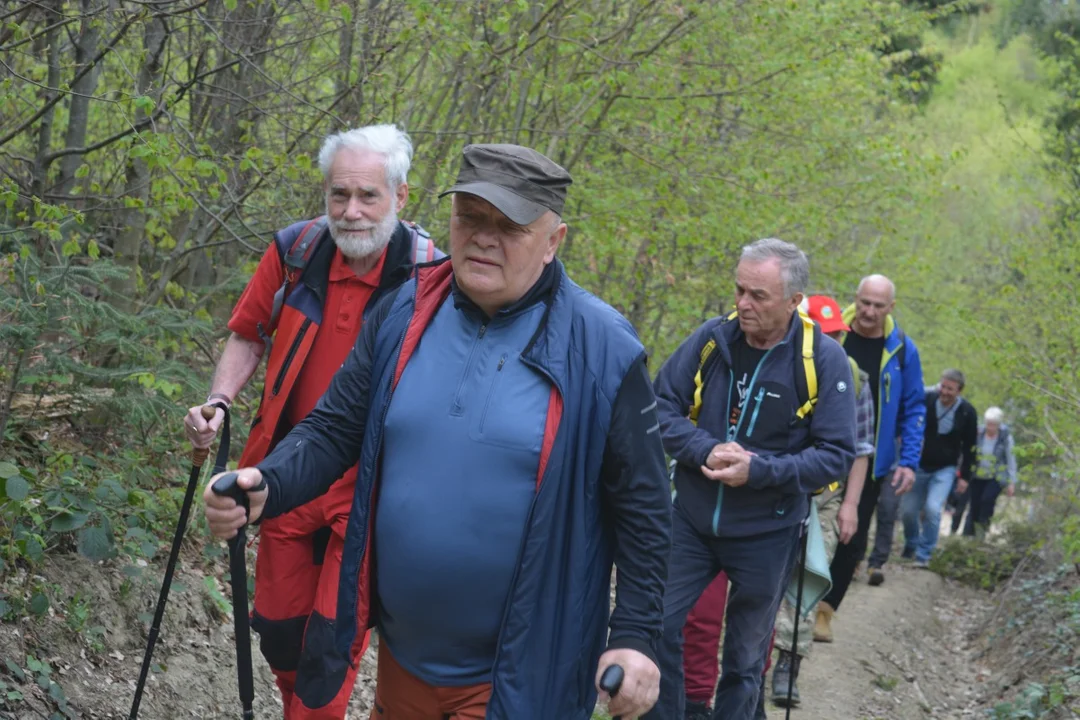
point(758, 567)
point(927, 498)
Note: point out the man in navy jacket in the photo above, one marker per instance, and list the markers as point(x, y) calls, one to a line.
point(747, 467)
point(509, 452)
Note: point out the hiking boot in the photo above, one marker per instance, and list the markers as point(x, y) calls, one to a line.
point(697, 711)
point(876, 577)
point(823, 623)
point(908, 554)
point(785, 672)
point(759, 713)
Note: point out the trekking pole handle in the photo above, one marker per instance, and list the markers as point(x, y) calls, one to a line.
point(199, 455)
point(226, 485)
point(611, 681)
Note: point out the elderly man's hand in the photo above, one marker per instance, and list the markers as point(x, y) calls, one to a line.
point(640, 687)
point(224, 515)
point(713, 460)
point(734, 464)
point(199, 432)
point(903, 479)
point(847, 519)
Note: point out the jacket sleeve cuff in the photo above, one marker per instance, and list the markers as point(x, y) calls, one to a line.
point(756, 477)
point(703, 452)
point(633, 642)
point(273, 495)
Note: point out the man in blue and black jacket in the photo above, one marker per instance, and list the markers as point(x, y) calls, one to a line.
point(509, 453)
point(748, 465)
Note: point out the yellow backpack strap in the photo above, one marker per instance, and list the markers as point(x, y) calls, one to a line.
point(699, 380)
point(699, 377)
point(808, 366)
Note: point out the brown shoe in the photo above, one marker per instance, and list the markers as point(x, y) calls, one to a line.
point(877, 577)
point(823, 623)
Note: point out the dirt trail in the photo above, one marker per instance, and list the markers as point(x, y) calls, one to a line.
point(900, 652)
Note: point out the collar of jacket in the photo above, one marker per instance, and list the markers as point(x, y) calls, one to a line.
point(546, 350)
point(541, 291)
point(396, 267)
point(728, 333)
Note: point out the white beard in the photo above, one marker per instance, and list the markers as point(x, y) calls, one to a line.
point(362, 239)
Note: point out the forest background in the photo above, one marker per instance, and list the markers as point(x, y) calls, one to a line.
point(149, 148)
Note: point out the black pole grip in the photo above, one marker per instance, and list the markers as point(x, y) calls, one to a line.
point(611, 681)
point(226, 486)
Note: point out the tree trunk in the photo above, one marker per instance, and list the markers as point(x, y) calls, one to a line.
point(49, 44)
point(82, 90)
point(132, 217)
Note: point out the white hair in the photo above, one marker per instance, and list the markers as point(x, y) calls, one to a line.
point(794, 266)
point(387, 140)
point(994, 415)
point(879, 279)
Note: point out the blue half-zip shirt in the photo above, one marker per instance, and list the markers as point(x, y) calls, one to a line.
point(453, 529)
point(794, 456)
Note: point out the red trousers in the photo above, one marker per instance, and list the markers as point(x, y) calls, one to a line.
point(296, 583)
point(701, 642)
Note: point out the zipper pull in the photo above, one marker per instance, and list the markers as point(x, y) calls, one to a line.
point(502, 361)
point(483, 329)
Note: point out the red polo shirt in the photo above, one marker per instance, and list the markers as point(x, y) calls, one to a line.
point(346, 297)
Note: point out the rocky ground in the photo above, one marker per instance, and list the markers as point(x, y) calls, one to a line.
point(904, 650)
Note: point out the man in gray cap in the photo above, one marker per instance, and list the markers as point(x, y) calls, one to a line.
point(512, 455)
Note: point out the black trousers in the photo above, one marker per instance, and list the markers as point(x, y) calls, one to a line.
point(984, 495)
point(849, 556)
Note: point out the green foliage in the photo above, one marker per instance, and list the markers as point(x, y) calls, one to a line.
point(984, 565)
point(96, 507)
point(1040, 700)
point(218, 602)
point(60, 343)
point(40, 673)
point(925, 139)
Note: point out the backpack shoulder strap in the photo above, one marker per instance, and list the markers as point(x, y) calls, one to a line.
point(809, 341)
point(304, 245)
point(293, 261)
point(423, 249)
point(704, 366)
point(699, 379)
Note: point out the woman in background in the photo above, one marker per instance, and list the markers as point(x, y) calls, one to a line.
point(995, 471)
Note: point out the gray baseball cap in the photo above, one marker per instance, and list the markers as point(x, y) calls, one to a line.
point(520, 182)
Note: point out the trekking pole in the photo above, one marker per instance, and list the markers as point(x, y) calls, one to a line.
point(198, 457)
point(804, 535)
point(226, 485)
point(611, 681)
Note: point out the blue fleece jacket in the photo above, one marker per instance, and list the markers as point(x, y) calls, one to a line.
point(793, 456)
